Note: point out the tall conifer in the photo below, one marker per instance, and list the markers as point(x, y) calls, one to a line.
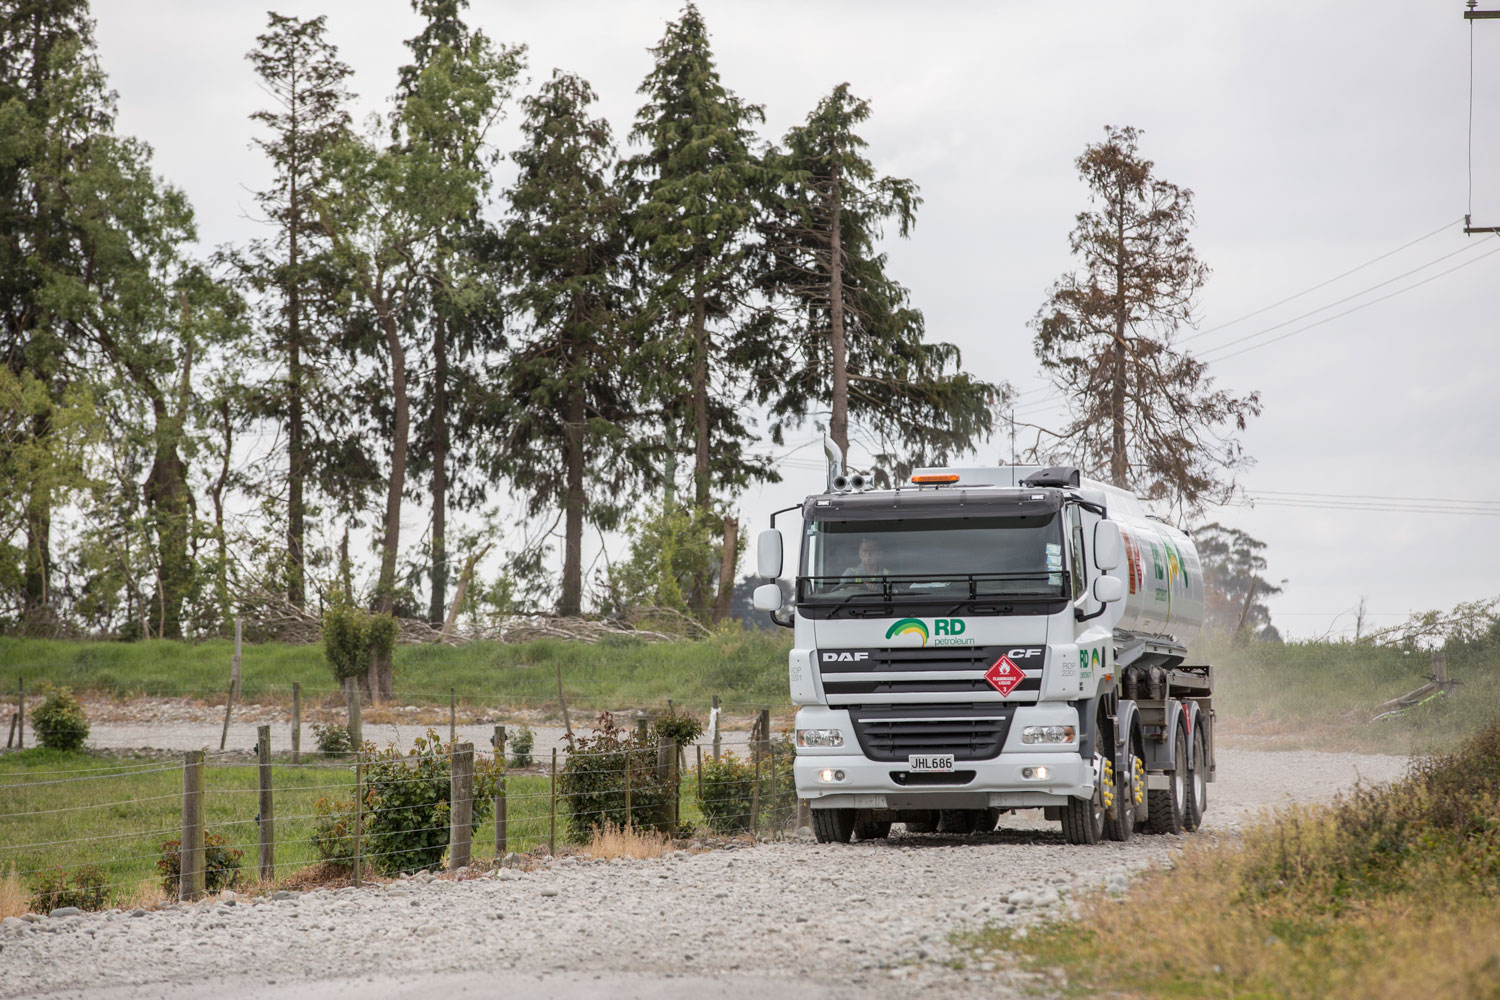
point(858, 345)
point(568, 392)
point(697, 182)
point(300, 69)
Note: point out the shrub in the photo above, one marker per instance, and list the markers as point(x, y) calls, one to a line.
point(333, 738)
point(679, 727)
point(729, 790)
point(221, 865)
point(593, 780)
point(728, 784)
point(520, 747)
point(333, 832)
point(353, 636)
point(83, 888)
point(406, 801)
point(59, 720)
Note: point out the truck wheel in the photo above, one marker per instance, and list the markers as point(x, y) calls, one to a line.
point(1198, 783)
point(1138, 789)
point(1119, 817)
point(833, 826)
point(1169, 806)
point(867, 827)
point(1083, 819)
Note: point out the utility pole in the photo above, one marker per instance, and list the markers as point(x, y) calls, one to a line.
point(1471, 15)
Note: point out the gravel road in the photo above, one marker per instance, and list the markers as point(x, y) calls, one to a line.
point(855, 921)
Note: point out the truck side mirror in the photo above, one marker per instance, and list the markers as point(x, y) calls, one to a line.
point(767, 597)
point(1109, 547)
point(1108, 589)
point(768, 558)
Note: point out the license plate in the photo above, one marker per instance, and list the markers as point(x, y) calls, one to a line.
point(930, 762)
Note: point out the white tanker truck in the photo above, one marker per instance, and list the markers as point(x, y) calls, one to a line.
point(983, 640)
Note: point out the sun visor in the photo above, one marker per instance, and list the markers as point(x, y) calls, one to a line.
point(932, 503)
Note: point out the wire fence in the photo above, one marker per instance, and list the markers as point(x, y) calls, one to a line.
point(130, 834)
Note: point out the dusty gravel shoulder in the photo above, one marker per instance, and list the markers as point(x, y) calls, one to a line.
point(861, 920)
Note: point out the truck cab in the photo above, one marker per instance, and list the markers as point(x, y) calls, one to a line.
point(979, 641)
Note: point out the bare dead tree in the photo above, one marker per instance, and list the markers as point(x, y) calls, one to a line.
point(1142, 413)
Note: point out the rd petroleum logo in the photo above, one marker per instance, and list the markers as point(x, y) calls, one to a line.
point(913, 632)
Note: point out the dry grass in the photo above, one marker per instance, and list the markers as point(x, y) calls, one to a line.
point(627, 842)
point(13, 895)
point(141, 896)
point(1386, 893)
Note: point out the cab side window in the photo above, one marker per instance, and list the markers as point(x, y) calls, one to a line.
point(1076, 566)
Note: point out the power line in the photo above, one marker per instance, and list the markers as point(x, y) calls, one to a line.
point(1336, 302)
point(1346, 312)
point(1323, 284)
point(1372, 496)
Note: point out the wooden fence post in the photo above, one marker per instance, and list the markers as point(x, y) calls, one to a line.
point(718, 727)
point(755, 801)
point(10, 737)
point(552, 813)
point(296, 722)
point(699, 748)
point(452, 718)
point(359, 814)
point(356, 727)
point(21, 711)
point(674, 776)
point(460, 804)
point(501, 834)
point(267, 807)
point(629, 767)
point(191, 882)
point(765, 733)
point(234, 685)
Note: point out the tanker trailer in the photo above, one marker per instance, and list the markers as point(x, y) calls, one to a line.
point(983, 640)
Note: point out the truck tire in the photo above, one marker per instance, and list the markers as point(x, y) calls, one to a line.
point(867, 827)
point(1119, 817)
point(1083, 819)
point(1198, 783)
point(1169, 806)
point(833, 826)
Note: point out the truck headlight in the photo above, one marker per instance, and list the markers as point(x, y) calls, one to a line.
point(820, 737)
point(1047, 734)
point(831, 776)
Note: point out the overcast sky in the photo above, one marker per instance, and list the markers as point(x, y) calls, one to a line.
point(1316, 138)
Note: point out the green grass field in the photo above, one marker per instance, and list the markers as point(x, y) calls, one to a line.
point(747, 669)
point(1324, 694)
point(1298, 694)
point(71, 809)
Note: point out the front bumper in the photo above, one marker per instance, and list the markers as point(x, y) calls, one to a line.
point(996, 784)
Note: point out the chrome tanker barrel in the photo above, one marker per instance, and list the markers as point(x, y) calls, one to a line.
point(1163, 579)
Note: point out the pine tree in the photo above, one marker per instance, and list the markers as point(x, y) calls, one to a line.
point(384, 212)
point(1141, 411)
point(301, 71)
point(858, 343)
point(53, 97)
point(94, 288)
point(568, 393)
point(483, 77)
point(697, 183)
point(1234, 591)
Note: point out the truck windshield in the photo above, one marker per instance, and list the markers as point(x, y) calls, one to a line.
point(932, 557)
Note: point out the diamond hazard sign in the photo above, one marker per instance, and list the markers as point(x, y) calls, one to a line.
point(1004, 676)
